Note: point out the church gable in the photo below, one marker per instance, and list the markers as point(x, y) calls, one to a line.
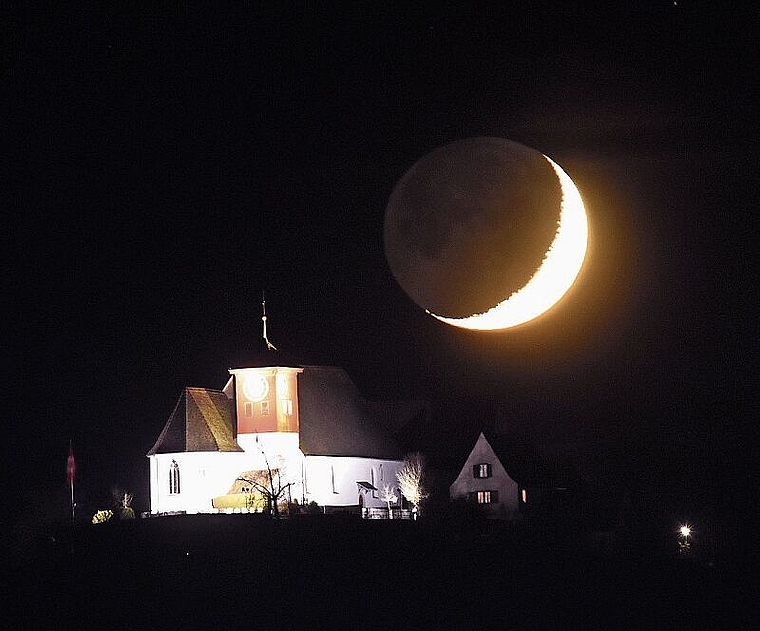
point(201, 421)
point(172, 437)
point(209, 415)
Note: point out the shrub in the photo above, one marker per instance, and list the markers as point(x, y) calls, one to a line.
point(102, 516)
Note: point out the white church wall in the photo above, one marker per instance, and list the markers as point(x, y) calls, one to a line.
point(208, 474)
point(270, 446)
point(332, 480)
point(279, 451)
point(327, 480)
point(202, 476)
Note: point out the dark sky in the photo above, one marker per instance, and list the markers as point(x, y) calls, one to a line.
point(163, 167)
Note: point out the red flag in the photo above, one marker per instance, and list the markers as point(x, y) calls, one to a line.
point(71, 465)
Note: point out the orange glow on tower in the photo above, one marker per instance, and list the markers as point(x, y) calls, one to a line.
point(266, 399)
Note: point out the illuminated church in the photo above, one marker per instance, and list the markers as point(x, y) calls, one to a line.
point(295, 435)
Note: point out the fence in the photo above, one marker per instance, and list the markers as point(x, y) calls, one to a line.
point(382, 513)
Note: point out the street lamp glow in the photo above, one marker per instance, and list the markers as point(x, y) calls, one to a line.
point(685, 531)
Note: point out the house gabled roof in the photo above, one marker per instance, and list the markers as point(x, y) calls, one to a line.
point(336, 421)
point(201, 421)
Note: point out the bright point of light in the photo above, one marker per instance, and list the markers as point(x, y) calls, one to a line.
point(685, 531)
point(553, 278)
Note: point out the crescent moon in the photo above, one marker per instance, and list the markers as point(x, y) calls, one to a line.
point(561, 265)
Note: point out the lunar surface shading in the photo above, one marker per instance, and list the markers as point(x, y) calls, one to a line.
point(485, 226)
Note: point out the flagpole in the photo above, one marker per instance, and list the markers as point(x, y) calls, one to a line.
point(71, 472)
point(70, 475)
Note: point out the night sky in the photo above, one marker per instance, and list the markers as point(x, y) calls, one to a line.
point(162, 168)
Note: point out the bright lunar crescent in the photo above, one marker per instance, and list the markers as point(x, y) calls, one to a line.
point(485, 233)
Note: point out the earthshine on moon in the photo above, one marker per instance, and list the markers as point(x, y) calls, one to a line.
point(485, 233)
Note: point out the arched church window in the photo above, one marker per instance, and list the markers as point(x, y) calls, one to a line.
point(173, 478)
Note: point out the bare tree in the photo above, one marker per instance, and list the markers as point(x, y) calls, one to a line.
point(126, 511)
point(410, 478)
point(388, 496)
point(122, 503)
point(270, 483)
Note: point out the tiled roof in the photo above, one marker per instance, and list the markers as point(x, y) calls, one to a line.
point(335, 420)
point(201, 421)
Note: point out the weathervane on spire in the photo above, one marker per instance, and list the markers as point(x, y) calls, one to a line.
point(270, 346)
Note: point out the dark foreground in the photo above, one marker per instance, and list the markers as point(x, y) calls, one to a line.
point(241, 571)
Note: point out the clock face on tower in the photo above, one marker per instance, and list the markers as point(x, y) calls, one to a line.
point(255, 387)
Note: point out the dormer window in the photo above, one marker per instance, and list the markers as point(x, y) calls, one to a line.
point(482, 470)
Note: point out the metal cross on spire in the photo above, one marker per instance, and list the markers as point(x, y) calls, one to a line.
point(270, 346)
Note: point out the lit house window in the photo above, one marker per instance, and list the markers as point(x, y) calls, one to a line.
point(481, 470)
point(485, 497)
point(287, 406)
point(265, 408)
point(248, 409)
point(174, 478)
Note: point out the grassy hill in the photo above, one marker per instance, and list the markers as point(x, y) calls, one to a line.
point(242, 571)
